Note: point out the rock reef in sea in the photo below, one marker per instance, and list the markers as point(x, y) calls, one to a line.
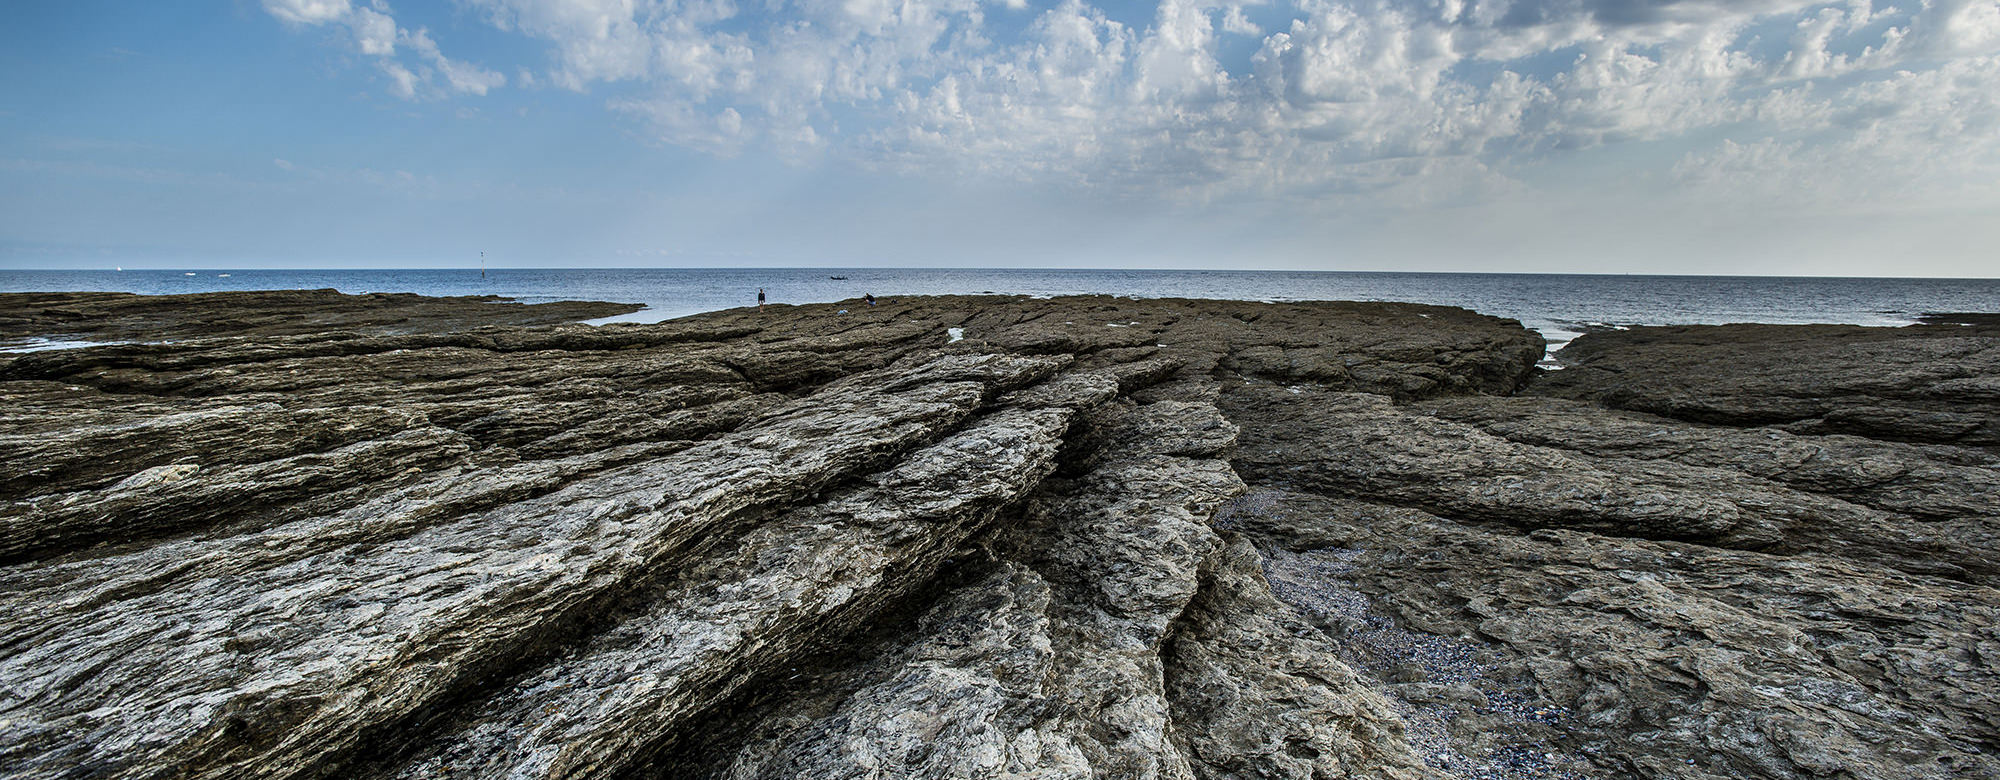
point(986, 537)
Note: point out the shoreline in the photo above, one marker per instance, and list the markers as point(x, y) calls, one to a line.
point(1540, 301)
point(1557, 331)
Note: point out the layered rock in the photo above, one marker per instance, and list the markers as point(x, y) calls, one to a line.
point(1936, 384)
point(1613, 656)
point(987, 537)
point(117, 316)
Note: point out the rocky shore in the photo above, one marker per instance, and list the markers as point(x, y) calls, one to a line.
point(117, 316)
point(319, 536)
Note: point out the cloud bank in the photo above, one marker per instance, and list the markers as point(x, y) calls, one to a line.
point(1779, 104)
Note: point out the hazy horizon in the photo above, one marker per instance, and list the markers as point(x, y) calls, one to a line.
point(474, 268)
point(1664, 137)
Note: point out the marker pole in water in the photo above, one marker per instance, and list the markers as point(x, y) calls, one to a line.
point(482, 265)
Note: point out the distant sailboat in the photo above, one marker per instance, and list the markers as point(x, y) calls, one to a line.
point(190, 273)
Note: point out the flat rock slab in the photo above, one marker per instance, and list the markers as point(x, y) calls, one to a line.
point(1927, 384)
point(114, 316)
point(306, 535)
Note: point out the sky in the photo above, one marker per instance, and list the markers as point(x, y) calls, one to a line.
point(1617, 136)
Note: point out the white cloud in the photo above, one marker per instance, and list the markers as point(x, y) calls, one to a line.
point(602, 40)
point(376, 34)
point(1348, 100)
point(462, 77)
point(1176, 61)
point(719, 132)
point(1949, 27)
point(307, 11)
point(1235, 21)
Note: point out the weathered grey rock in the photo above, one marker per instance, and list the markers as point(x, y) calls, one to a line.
point(113, 442)
point(393, 513)
point(275, 672)
point(1099, 639)
point(1919, 384)
point(1059, 676)
point(749, 609)
point(807, 543)
point(1915, 480)
point(166, 498)
point(1360, 445)
point(1257, 693)
point(1663, 659)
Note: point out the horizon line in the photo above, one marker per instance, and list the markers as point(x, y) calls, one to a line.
point(1003, 269)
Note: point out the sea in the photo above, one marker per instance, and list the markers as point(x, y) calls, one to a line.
point(1560, 306)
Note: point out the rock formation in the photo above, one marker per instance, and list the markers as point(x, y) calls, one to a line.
point(984, 537)
point(117, 316)
point(1928, 385)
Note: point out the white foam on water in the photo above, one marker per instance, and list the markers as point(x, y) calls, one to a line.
point(1555, 338)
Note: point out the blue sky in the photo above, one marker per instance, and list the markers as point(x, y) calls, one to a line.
point(1661, 136)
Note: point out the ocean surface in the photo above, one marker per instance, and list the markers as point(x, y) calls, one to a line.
point(1560, 306)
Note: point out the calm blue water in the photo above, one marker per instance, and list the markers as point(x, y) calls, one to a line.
point(1556, 305)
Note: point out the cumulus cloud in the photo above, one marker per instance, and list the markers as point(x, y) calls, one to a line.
point(1404, 100)
point(307, 11)
point(374, 33)
point(1235, 21)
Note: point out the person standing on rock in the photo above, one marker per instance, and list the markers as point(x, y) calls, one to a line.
point(760, 299)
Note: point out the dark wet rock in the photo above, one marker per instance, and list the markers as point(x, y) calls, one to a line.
point(117, 316)
point(1934, 384)
point(1984, 319)
point(1087, 537)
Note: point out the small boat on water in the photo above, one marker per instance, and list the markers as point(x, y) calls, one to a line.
point(838, 278)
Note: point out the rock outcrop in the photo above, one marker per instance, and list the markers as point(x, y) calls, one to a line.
point(1925, 385)
point(985, 537)
point(117, 316)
